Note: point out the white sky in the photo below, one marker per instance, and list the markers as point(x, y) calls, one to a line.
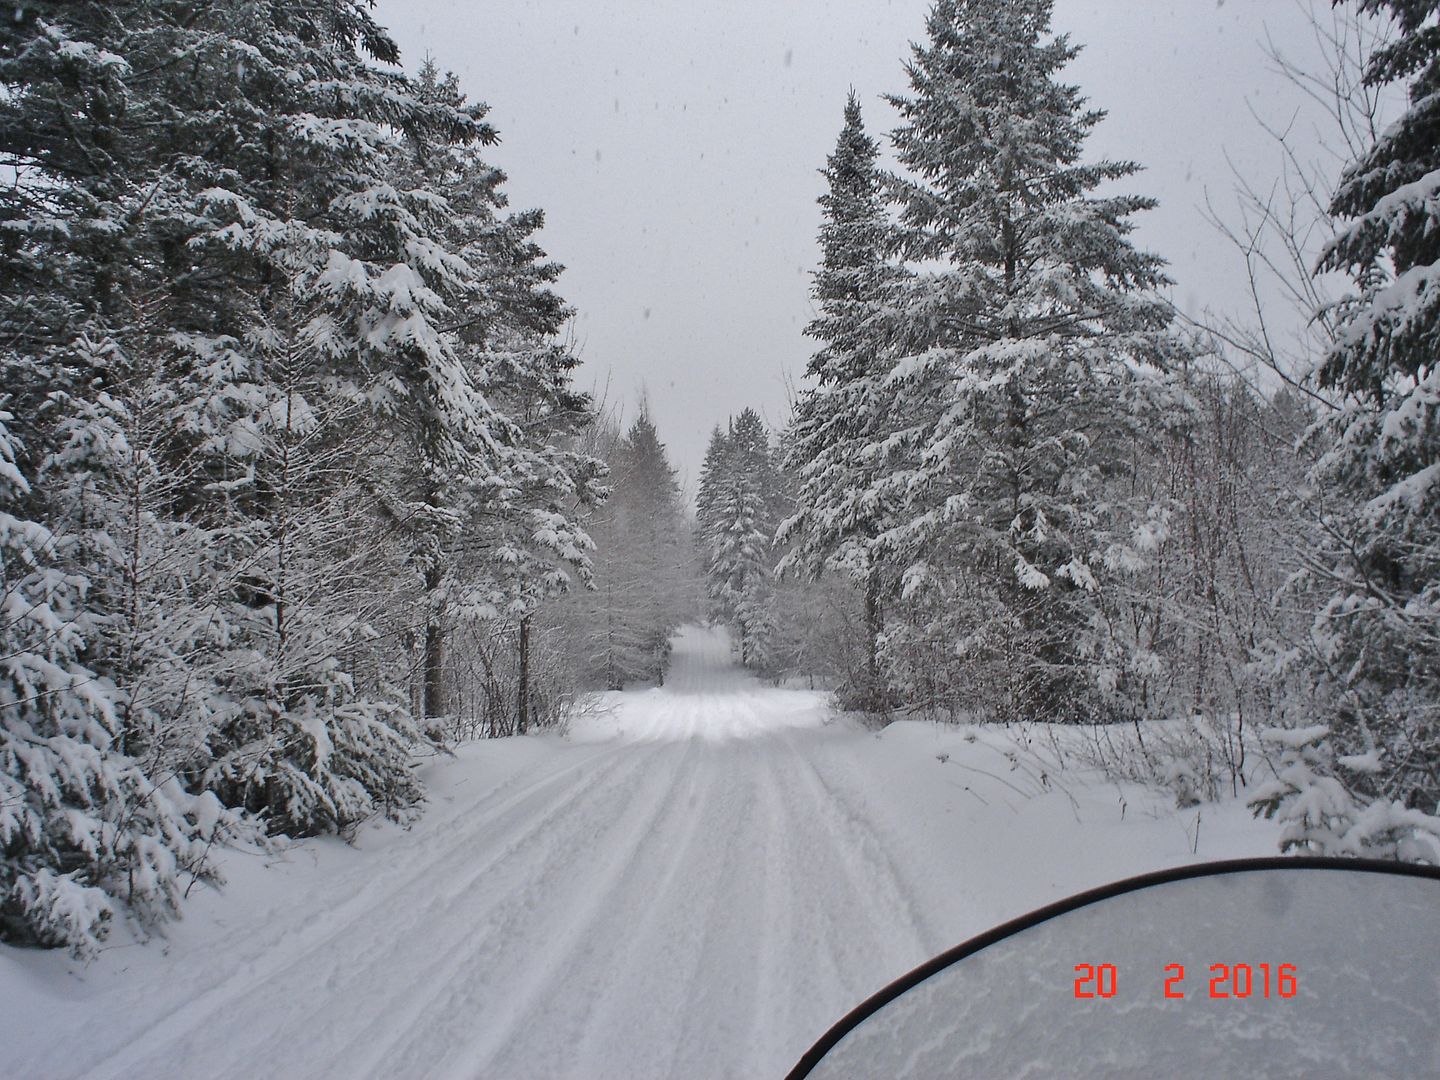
point(674, 148)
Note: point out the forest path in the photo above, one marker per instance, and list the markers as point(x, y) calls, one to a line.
point(696, 883)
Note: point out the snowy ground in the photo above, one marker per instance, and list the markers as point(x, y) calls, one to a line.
point(697, 882)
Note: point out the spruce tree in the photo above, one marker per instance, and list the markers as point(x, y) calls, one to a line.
point(712, 479)
point(514, 540)
point(1380, 630)
point(1027, 341)
point(740, 504)
point(642, 568)
point(836, 516)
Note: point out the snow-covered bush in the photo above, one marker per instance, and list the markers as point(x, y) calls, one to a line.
point(1319, 812)
point(1316, 811)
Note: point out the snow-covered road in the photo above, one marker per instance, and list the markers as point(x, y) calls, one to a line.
point(696, 883)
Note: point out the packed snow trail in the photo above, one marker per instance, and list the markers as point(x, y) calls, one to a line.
point(696, 883)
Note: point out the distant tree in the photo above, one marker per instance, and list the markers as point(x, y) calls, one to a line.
point(642, 562)
point(713, 473)
point(740, 503)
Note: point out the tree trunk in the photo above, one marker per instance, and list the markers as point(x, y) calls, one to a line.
point(434, 695)
point(612, 673)
point(522, 705)
point(874, 624)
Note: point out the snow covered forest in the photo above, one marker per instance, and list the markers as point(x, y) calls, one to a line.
point(300, 490)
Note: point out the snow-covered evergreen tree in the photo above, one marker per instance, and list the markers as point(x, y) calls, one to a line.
point(837, 426)
point(643, 569)
point(85, 832)
point(1380, 630)
point(831, 522)
point(713, 471)
point(1027, 343)
point(517, 539)
point(1313, 797)
point(266, 326)
point(739, 507)
point(329, 281)
point(114, 482)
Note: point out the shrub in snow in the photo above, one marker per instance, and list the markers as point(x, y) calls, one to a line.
point(1314, 808)
point(1319, 813)
point(324, 762)
point(1392, 830)
point(1188, 787)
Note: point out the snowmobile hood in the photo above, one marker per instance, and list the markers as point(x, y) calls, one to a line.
point(1276, 967)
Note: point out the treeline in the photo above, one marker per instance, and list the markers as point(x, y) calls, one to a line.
point(291, 464)
point(780, 627)
point(645, 586)
point(1055, 501)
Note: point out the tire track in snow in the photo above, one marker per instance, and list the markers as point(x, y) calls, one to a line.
point(298, 944)
point(431, 836)
point(441, 1002)
point(775, 983)
point(836, 959)
point(713, 1028)
point(888, 937)
point(660, 936)
point(875, 853)
point(830, 946)
point(556, 975)
point(508, 799)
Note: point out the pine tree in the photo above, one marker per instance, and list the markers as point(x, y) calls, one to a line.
point(836, 515)
point(519, 539)
point(1025, 365)
point(1380, 630)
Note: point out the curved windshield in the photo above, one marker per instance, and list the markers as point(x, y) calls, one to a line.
point(1273, 968)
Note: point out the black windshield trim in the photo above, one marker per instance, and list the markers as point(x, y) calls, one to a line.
point(879, 1000)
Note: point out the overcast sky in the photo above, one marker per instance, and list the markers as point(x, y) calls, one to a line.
point(674, 148)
